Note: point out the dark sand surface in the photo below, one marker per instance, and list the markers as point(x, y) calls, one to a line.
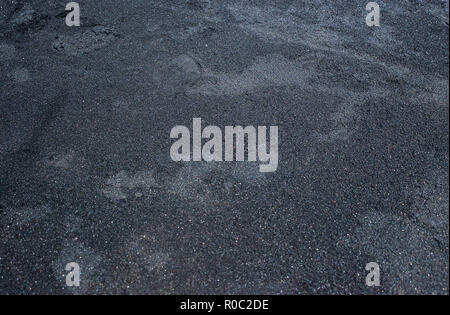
point(86, 175)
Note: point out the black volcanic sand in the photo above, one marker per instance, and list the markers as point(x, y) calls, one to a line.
point(86, 174)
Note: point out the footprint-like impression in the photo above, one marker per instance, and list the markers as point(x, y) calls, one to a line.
point(94, 38)
point(20, 75)
point(214, 184)
point(123, 185)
